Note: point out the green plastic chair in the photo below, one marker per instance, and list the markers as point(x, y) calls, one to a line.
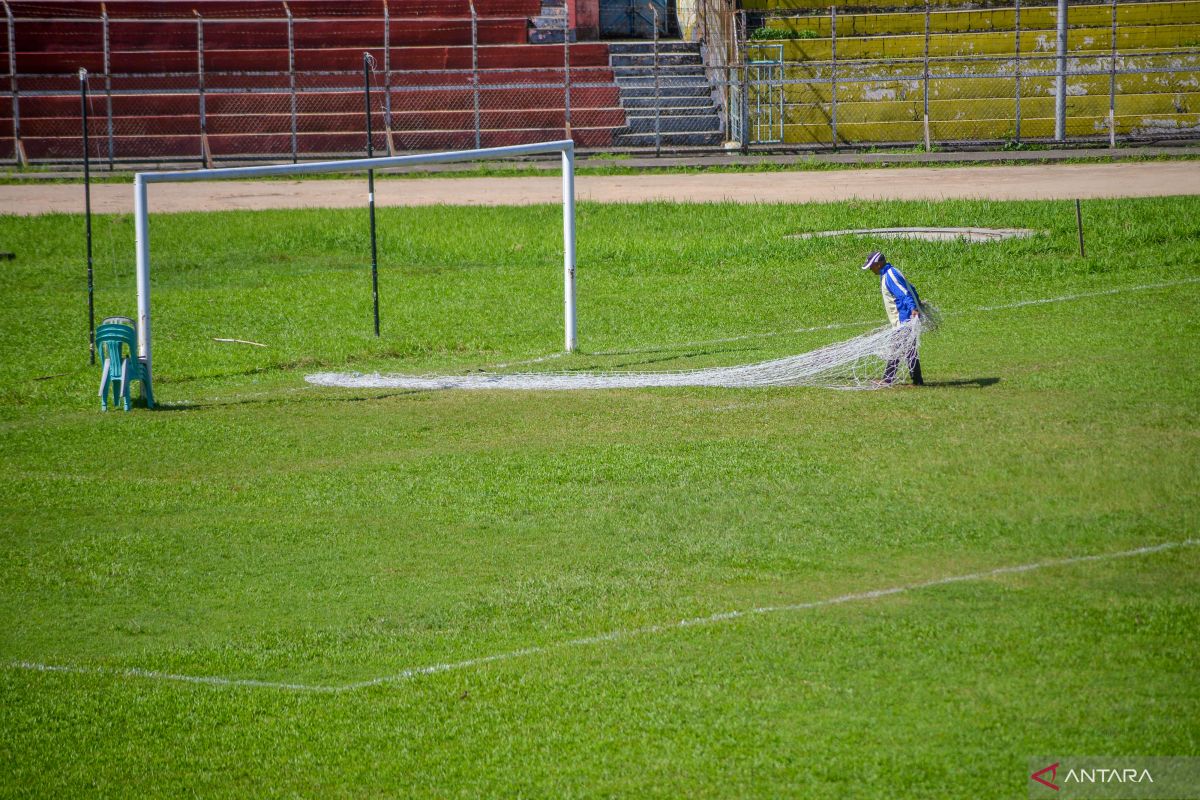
point(117, 345)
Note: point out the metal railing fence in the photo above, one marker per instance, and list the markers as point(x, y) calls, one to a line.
point(290, 100)
point(1092, 70)
point(248, 88)
point(964, 101)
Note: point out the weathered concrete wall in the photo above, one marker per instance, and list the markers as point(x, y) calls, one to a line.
point(585, 18)
point(885, 102)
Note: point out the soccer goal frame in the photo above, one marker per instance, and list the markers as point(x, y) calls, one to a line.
point(141, 211)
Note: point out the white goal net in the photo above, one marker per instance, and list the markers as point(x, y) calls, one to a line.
point(856, 363)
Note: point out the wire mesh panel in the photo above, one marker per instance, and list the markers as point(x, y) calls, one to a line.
point(331, 114)
point(1157, 97)
point(435, 110)
point(156, 117)
point(263, 80)
point(597, 112)
point(765, 95)
point(976, 76)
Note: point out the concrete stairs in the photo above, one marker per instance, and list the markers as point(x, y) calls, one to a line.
point(683, 101)
point(550, 26)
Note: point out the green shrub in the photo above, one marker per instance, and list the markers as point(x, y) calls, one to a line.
point(765, 33)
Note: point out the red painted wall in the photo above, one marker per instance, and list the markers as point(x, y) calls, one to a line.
point(585, 18)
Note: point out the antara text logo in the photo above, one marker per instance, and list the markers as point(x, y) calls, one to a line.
point(1047, 775)
point(1114, 778)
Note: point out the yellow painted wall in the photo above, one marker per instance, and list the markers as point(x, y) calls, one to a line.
point(1173, 83)
point(1041, 127)
point(885, 102)
point(1079, 41)
point(987, 20)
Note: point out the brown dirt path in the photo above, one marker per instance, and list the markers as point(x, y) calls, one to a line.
point(1034, 182)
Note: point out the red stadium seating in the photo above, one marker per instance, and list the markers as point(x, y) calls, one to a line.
point(155, 98)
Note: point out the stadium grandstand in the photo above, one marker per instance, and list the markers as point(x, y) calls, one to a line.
point(981, 71)
point(227, 80)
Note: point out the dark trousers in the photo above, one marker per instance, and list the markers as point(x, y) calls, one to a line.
point(914, 368)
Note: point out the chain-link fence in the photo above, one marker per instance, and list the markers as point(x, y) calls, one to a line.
point(965, 101)
point(966, 78)
point(226, 89)
point(162, 89)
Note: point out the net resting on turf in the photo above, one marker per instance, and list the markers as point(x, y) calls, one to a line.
point(855, 363)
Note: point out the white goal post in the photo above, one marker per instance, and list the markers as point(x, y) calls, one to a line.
point(141, 210)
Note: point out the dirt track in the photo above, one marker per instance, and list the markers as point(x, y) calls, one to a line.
point(1036, 182)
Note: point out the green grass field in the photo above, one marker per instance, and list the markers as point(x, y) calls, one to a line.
point(260, 529)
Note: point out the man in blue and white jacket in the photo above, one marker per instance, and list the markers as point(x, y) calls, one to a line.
point(902, 304)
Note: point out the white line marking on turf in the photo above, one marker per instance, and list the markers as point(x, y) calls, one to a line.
point(1099, 293)
point(610, 636)
point(836, 325)
point(208, 680)
point(537, 360)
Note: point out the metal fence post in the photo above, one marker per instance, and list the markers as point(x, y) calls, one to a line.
point(291, 34)
point(387, 78)
point(729, 65)
point(1017, 70)
point(87, 213)
point(108, 87)
point(1112, 83)
point(657, 91)
point(205, 154)
point(926, 90)
point(18, 148)
point(1060, 80)
point(744, 94)
point(567, 75)
point(833, 75)
point(475, 73)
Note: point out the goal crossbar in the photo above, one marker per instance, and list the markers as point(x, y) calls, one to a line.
point(141, 210)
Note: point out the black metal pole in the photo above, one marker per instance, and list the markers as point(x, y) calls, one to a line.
point(367, 61)
point(1079, 225)
point(87, 215)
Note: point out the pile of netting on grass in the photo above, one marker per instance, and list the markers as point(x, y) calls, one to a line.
point(856, 363)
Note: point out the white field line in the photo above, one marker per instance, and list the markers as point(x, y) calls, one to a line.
point(611, 636)
point(835, 325)
point(537, 360)
point(858, 324)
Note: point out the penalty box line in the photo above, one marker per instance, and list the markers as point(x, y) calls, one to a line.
point(611, 636)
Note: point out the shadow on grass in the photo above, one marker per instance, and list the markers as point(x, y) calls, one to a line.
point(269, 401)
point(964, 383)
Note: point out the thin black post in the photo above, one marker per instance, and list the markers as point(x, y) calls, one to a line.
point(1079, 225)
point(368, 62)
point(87, 214)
